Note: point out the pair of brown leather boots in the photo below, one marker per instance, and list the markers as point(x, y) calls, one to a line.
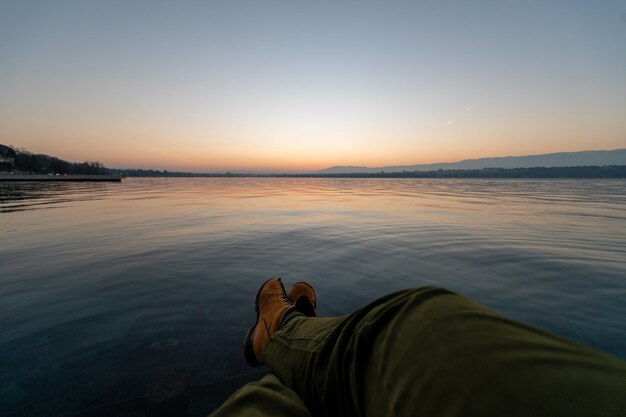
point(272, 306)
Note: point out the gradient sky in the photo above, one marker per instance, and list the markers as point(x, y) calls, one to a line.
point(296, 86)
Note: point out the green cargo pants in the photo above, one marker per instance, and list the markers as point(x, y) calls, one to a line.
point(428, 352)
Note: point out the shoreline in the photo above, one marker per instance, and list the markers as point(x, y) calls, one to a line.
point(58, 178)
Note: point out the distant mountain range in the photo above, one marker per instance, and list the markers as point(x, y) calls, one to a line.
point(561, 159)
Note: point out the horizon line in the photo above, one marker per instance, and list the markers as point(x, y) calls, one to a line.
point(300, 172)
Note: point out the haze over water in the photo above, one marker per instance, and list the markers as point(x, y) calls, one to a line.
point(104, 287)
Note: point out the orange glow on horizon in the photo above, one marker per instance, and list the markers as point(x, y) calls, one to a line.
point(293, 147)
point(230, 160)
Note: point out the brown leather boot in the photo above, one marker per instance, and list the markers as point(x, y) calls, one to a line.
point(302, 295)
point(272, 306)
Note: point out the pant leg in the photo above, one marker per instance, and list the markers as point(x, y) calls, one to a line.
point(430, 352)
point(265, 398)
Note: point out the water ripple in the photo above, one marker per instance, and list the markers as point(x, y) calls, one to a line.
point(104, 287)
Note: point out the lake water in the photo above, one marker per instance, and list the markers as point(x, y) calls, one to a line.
point(105, 287)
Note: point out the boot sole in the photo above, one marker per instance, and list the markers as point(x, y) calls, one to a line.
point(248, 350)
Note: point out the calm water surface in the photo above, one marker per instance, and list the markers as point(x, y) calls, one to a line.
point(106, 287)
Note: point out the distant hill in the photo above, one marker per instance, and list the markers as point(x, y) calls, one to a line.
point(561, 159)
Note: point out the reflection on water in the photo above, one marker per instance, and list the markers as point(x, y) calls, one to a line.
point(105, 287)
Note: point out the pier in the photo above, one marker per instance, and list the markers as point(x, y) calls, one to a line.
point(56, 178)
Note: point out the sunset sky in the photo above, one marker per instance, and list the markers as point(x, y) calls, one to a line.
point(297, 86)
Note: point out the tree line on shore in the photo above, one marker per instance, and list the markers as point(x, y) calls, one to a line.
point(22, 161)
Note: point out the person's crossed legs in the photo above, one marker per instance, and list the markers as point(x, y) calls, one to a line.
point(423, 351)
